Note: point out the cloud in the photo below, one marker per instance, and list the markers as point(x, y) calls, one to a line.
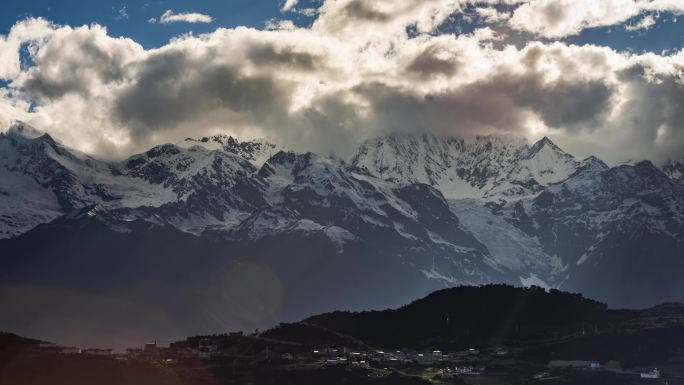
point(183, 17)
point(382, 17)
point(492, 15)
point(353, 74)
point(31, 32)
point(78, 61)
point(122, 13)
point(645, 23)
point(289, 5)
point(560, 18)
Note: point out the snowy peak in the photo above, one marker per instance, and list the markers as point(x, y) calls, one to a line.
point(285, 164)
point(19, 129)
point(545, 143)
point(255, 151)
point(485, 167)
point(24, 138)
point(674, 169)
point(545, 164)
point(593, 163)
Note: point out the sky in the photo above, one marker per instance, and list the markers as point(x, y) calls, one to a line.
point(113, 78)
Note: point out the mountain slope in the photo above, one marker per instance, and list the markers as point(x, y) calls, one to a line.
point(674, 169)
point(184, 229)
point(218, 242)
point(487, 167)
point(612, 227)
point(255, 151)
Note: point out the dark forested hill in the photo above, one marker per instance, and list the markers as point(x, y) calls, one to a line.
point(469, 315)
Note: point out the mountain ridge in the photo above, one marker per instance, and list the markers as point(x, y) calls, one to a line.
point(405, 215)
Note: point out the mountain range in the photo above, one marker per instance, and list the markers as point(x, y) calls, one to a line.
point(214, 233)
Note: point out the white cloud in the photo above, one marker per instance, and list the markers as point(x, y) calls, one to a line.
point(645, 23)
point(560, 18)
point(354, 73)
point(30, 31)
point(492, 15)
point(274, 24)
point(183, 17)
point(289, 5)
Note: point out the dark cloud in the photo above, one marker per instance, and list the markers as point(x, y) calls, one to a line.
point(573, 105)
point(363, 10)
point(428, 64)
point(269, 54)
point(173, 88)
point(502, 102)
point(651, 121)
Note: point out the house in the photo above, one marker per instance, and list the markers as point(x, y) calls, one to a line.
point(445, 374)
point(209, 345)
point(99, 352)
point(49, 347)
point(364, 364)
point(437, 356)
point(150, 351)
point(207, 348)
point(70, 350)
point(574, 364)
point(466, 370)
point(652, 375)
point(133, 353)
point(424, 359)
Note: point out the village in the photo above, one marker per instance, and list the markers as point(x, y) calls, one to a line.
point(435, 365)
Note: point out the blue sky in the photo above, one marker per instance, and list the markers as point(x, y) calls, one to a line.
point(229, 13)
point(667, 34)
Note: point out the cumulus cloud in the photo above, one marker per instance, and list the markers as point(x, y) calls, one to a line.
point(354, 73)
point(183, 17)
point(31, 32)
point(560, 18)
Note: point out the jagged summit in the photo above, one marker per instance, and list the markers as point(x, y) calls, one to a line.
point(542, 143)
point(256, 151)
point(674, 169)
point(21, 129)
point(485, 167)
point(594, 163)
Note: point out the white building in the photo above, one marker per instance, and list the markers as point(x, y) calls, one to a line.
point(652, 375)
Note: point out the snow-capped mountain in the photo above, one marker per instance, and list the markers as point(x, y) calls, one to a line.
point(256, 151)
point(618, 231)
point(486, 167)
point(674, 169)
point(404, 216)
point(61, 180)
